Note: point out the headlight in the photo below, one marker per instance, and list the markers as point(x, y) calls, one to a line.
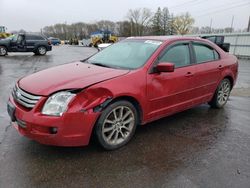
point(57, 104)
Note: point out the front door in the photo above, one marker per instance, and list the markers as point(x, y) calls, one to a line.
point(169, 92)
point(21, 46)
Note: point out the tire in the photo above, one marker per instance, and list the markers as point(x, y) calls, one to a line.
point(3, 51)
point(97, 43)
point(41, 50)
point(116, 125)
point(221, 94)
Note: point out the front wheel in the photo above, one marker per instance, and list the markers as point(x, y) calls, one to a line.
point(221, 94)
point(116, 125)
point(3, 51)
point(41, 50)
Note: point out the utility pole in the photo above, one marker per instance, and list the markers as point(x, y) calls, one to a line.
point(210, 27)
point(232, 22)
point(248, 27)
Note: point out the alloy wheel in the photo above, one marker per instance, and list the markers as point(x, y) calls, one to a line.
point(42, 50)
point(118, 125)
point(3, 51)
point(223, 92)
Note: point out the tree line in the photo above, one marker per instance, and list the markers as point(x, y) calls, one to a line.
point(139, 22)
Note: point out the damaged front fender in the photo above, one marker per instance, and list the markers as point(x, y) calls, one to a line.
point(94, 98)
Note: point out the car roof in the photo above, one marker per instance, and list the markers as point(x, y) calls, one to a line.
point(173, 38)
point(166, 38)
point(28, 34)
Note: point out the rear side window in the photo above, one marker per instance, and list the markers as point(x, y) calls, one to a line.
point(34, 37)
point(179, 55)
point(205, 53)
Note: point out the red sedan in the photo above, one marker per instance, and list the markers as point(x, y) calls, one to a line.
point(130, 83)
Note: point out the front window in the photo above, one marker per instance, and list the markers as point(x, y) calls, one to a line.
point(128, 54)
point(19, 39)
point(178, 55)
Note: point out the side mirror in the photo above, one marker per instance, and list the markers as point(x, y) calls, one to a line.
point(165, 67)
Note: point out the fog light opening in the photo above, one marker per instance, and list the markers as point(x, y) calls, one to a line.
point(53, 130)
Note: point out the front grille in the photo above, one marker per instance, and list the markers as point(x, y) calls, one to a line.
point(27, 100)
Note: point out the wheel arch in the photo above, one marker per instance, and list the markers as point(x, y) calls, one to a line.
point(40, 45)
point(133, 101)
point(5, 46)
point(230, 78)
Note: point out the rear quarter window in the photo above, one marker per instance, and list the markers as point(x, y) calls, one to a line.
point(34, 37)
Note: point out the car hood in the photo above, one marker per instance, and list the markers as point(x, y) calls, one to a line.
point(4, 41)
point(75, 75)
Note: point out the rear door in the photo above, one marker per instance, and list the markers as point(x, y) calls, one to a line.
point(208, 70)
point(32, 42)
point(168, 92)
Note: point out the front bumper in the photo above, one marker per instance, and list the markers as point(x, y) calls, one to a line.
point(74, 128)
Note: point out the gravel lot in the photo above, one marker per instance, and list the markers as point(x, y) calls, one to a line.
point(200, 147)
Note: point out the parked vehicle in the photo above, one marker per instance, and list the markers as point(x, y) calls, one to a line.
point(54, 41)
point(74, 41)
point(3, 33)
point(86, 42)
point(66, 41)
point(25, 43)
point(99, 37)
point(219, 40)
point(130, 83)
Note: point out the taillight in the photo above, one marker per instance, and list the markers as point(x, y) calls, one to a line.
point(49, 43)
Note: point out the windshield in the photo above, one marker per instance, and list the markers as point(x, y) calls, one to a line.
point(12, 37)
point(128, 54)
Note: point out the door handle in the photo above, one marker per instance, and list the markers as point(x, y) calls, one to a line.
point(189, 74)
point(220, 67)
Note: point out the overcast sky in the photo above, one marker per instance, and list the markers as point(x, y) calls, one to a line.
point(32, 15)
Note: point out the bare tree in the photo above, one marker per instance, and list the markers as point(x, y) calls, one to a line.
point(106, 25)
point(139, 20)
point(183, 23)
point(123, 28)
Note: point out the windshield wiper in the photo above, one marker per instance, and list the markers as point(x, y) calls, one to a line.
point(85, 60)
point(102, 65)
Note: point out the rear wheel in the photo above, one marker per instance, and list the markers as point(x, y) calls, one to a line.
point(41, 50)
point(97, 43)
point(116, 125)
point(221, 94)
point(3, 51)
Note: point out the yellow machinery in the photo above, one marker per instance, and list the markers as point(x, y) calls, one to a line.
point(100, 37)
point(3, 33)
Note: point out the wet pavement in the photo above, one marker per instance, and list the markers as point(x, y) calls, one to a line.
point(200, 147)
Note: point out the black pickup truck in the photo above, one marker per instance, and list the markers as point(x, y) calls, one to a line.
point(219, 40)
point(25, 43)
